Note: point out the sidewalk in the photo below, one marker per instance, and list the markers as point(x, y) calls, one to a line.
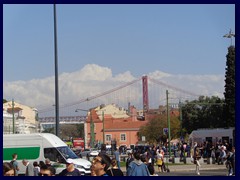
point(192, 167)
point(188, 167)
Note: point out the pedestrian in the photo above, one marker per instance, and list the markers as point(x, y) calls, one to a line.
point(145, 160)
point(15, 163)
point(117, 157)
point(103, 149)
point(137, 167)
point(29, 168)
point(36, 169)
point(197, 157)
point(70, 169)
point(114, 171)
point(8, 169)
point(41, 163)
point(159, 160)
point(48, 164)
point(129, 159)
point(47, 171)
point(230, 161)
point(100, 165)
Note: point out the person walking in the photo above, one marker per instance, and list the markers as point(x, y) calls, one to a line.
point(137, 167)
point(129, 159)
point(70, 169)
point(36, 169)
point(15, 163)
point(29, 168)
point(48, 164)
point(117, 157)
point(114, 171)
point(159, 160)
point(197, 157)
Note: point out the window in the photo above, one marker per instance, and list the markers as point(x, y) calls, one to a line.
point(123, 137)
point(108, 137)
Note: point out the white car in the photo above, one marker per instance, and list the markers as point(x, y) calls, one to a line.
point(129, 150)
point(94, 152)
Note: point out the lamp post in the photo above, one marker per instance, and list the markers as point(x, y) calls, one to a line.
point(92, 138)
point(56, 71)
point(169, 133)
point(13, 118)
point(103, 127)
point(230, 35)
point(180, 116)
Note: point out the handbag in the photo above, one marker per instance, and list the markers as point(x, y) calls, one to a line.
point(159, 162)
point(111, 172)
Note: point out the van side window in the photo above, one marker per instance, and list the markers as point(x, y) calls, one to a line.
point(52, 154)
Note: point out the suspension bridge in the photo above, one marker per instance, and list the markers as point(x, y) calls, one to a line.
point(144, 93)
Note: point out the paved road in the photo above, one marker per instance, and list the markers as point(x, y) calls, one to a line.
point(189, 170)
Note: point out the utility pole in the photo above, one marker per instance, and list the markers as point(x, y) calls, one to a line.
point(92, 130)
point(13, 118)
point(180, 116)
point(103, 127)
point(56, 72)
point(169, 133)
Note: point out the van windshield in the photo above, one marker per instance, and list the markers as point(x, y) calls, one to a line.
point(67, 152)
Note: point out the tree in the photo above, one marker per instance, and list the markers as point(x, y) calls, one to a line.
point(4, 101)
point(206, 112)
point(230, 88)
point(153, 130)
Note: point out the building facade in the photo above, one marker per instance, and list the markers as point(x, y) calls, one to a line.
point(19, 119)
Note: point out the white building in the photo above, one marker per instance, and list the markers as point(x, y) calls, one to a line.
point(23, 118)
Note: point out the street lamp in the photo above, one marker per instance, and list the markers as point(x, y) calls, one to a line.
point(229, 35)
point(169, 129)
point(13, 116)
point(103, 127)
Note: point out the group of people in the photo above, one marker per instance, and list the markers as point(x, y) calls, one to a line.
point(136, 165)
point(32, 169)
point(222, 154)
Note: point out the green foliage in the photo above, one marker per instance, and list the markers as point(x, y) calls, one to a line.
point(4, 101)
point(206, 112)
point(230, 88)
point(153, 131)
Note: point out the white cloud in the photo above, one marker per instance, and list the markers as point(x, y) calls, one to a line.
point(93, 79)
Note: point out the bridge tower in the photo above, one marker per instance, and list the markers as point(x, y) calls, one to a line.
point(145, 93)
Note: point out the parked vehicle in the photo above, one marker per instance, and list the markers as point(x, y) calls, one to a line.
point(129, 150)
point(94, 152)
point(85, 152)
point(213, 135)
point(38, 147)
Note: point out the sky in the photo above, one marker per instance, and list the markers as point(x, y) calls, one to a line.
point(102, 46)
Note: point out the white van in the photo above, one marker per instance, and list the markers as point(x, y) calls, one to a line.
point(38, 147)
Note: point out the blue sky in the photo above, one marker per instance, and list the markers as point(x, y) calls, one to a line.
point(181, 40)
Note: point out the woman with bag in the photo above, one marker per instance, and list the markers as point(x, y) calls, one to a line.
point(159, 161)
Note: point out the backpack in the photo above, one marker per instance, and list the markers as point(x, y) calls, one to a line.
point(12, 161)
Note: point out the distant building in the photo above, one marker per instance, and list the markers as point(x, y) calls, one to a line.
point(25, 118)
point(120, 125)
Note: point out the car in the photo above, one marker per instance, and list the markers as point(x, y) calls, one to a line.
point(85, 153)
point(94, 152)
point(129, 150)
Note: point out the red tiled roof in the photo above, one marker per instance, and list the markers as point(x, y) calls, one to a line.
point(111, 125)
